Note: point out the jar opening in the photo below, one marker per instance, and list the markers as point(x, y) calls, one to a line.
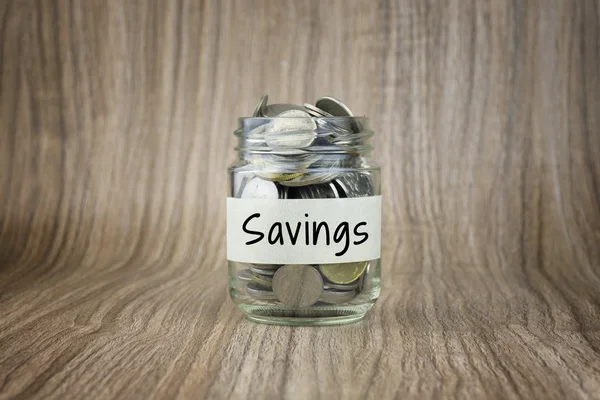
point(294, 135)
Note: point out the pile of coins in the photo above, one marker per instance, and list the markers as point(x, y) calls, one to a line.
point(299, 152)
point(304, 152)
point(299, 285)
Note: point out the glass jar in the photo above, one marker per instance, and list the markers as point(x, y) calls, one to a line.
point(304, 220)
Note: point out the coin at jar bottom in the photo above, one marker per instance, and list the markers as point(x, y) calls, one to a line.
point(263, 271)
point(337, 296)
point(267, 266)
point(349, 286)
point(259, 292)
point(244, 275)
point(263, 280)
point(298, 285)
point(343, 273)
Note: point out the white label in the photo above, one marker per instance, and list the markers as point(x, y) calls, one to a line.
point(300, 231)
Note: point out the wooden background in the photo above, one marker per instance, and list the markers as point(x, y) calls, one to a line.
point(116, 122)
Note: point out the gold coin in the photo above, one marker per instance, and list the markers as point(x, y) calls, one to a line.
point(343, 273)
point(278, 177)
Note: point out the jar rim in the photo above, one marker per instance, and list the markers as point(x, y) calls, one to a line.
point(246, 124)
point(353, 118)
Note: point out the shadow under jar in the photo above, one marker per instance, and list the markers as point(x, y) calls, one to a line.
point(304, 220)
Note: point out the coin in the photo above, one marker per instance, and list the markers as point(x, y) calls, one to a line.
point(278, 177)
point(355, 184)
point(263, 271)
point(274, 110)
point(315, 111)
point(343, 273)
point(364, 282)
point(337, 296)
point(336, 108)
point(297, 285)
point(260, 292)
point(320, 191)
point(267, 266)
point(349, 286)
point(261, 104)
point(261, 279)
point(283, 191)
point(244, 275)
point(333, 106)
point(257, 188)
point(257, 134)
point(310, 179)
point(292, 128)
point(340, 127)
point(323, 191)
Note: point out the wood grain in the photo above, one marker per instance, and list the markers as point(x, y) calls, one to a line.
point(115, 135)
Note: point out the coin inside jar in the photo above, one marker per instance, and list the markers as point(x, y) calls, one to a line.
point(263, 271)
point(244, 275)
point(275, 110)
point(338, 296)
point(259, 292)
point(343, 273)
point(297, 285)
point(263, 280)
point(292, 128)
point(355, 184)
point(258, 188)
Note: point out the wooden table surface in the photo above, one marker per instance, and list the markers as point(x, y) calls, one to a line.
point(116, 122)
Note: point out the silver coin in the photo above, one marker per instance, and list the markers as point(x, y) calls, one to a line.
point(261, 104)
point(315, 111)
point(355, 184)
point(337, 296)
point(298, 285)
point(244, 275)
point(335, 129)
point(267, 266)
point(338, 109)
point(333, 106)
point(260, 292)
point(257, 188)
point(324, 191)
point(283, 192)
point(257, 134)
point(341, 128)
point(337, 286)
point(263, 271)
point(292, 128)
point(274, 110)
point(263, 280)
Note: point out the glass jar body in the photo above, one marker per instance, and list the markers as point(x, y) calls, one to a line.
point(305, 292)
